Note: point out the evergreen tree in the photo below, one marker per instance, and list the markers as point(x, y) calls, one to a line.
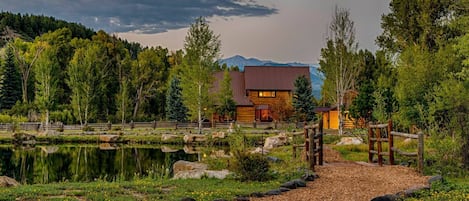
point(175, 108)
point(303, 99)
point(10, 91)
point(362, 105)
point(226, 104)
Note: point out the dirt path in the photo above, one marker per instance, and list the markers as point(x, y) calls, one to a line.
point(342, 180)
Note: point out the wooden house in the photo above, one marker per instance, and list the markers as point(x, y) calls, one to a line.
point(259, 88)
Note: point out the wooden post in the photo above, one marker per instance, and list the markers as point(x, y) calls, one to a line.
point(370, 145)
point(391, 143)
point(154, 124)
point(420, 153)
point(311, 150)
point(312, 138)
point(109, 126)
point(254, 124)
point(307, 142)
point(321, 143)
point(380, 148)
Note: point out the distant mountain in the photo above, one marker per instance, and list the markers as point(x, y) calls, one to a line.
point(240, 61)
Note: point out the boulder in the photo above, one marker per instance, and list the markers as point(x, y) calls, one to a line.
point(289, 185)
point(8, 182)
point(260, 150)
point(166, 149)
point(275, 141)
point(220, 135)
point(350, 141)
point(188, 149)
point(273, 192)
point(219, 174)
point(389, 197)
point(194, 170)
point(187, 199)
point(219, 154)
point(181, 165)
point(191, 138)
point(437, 178)
point(167, 137)
point(108, 138)
point(299, 183)
point(107, 146)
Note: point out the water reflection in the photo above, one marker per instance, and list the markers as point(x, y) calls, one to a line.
point(45, 164)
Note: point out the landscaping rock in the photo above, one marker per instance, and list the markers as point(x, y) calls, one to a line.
point(412, 192)
point(188, 149)
point(181, 165)
point(437, 178)
point(350, 141)
point(282, 189)
point(289, 185)
point(220, 135)
point(309, 176)
point(220, 199)
point(389, 197)
point(8, 182)
point(260, 150)
point(219, 174)
point(168, 137)
point(166, 149)
point(191, 138)
point(241, 198)
point(187, 199)
point(108, 138)
point(107, 146)
point(299, 183)
point(257, 194)
point(273, 192)
point(219, 154)
point(275, 141)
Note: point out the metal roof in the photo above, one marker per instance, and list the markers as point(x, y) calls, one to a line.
point(280, 78)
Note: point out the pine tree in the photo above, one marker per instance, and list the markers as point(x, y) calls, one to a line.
point(303, 99)
point(10, 91)
point(175, 108)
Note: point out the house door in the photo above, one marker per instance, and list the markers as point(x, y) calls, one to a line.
point(263, 113)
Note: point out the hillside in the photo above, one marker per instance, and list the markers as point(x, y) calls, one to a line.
point(315, 75)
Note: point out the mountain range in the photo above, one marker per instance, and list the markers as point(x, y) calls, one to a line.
point(240, 61)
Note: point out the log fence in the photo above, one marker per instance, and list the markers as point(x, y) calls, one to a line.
point(313, 144)
point(382, 133)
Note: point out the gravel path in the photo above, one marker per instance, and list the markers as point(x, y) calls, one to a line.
point(343, 180)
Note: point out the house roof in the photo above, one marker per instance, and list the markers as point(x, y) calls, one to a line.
point(273, 77)
point(237, 85)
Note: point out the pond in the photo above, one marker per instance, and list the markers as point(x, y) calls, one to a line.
point(85, 162)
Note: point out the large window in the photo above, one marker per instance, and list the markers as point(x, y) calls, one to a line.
point(267, 94)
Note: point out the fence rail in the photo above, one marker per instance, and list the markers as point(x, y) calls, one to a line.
point(313, 144)
point(39, 126)
point(383, 133)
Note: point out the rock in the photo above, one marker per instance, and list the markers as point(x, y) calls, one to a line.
point(191, 138)
point(219, 174)
point(219, 199)
point(168, 137)
point(299, 183)
point(309, 176)
point(219, 154)
point(220, 135)
point(437, 178)
point(283, 189)
point(188, 149)
point(24, 138)
point(389, 197)
point(187, 199)
point(289, 185)
point(186, 166)
point(166, 149)
point(241, 198)
point(412, 192)
point(8, 182)
point(107, 146)
point(273, 192)
point(257, 194)
point(275, 141)
point(108, 138)
point(350, 141)
point(260, 150)
point(49, 149)
point(274, 159)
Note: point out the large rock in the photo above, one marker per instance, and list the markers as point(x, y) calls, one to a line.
point(188, 149)
point(168, 137)
point(8, 182)
point(191, 138)
point(220, 135)
point(107, 146)
point(260, 150)
point(194, 170)
point(108, 138)
point(275, 141)
point(350, 141)
point(166, 149)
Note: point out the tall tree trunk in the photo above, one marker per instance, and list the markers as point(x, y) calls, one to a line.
point(137, 101)
point(199, 102)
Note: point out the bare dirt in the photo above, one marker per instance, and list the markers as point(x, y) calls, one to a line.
point(354, 181)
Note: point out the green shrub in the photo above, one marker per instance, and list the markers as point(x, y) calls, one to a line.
point(251, 167)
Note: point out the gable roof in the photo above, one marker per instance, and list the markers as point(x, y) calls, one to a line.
point(273, 77)
point(237, 85)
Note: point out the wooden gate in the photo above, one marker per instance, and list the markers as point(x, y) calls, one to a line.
point(313, 144)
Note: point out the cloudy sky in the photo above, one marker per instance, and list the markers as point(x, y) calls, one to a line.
point(278, 30)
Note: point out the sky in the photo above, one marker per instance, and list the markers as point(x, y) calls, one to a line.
point(277, 30)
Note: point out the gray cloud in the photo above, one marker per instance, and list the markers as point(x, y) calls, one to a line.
point(143, 16)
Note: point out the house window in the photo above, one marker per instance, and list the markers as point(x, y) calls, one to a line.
point(267, 94)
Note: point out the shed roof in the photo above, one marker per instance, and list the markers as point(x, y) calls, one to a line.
point(237, 85)
point(273, 77)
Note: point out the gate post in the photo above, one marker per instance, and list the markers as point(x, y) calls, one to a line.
point(391, 143)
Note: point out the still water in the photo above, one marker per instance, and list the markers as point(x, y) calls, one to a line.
point(81, 163)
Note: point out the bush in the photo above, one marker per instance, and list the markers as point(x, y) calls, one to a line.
point(251, 167)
